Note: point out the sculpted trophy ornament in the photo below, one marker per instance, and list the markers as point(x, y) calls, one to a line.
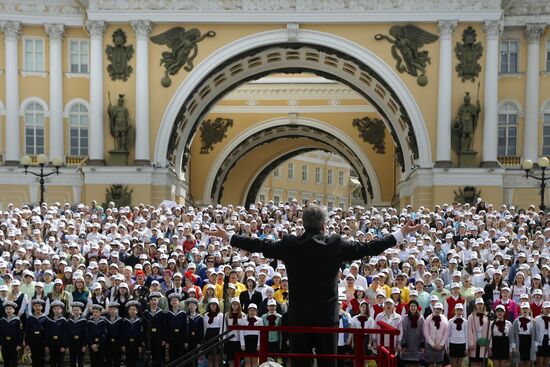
point(406, 42)
point(372, 131)
point(119, 55)
point(184, 49)
point(468, 53)
point(119, 195)
point(212, 132)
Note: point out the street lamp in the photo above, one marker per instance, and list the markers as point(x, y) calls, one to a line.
point(543, 163)
point(41, 159)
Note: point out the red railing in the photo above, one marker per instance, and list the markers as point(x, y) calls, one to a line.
point(384, 358)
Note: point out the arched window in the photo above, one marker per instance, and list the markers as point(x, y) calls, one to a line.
point(507, 129)
point(34, 128)
point(546, 130)
point(78, 129)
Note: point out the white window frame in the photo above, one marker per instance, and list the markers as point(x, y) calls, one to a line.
point(305, 173)
point(291, 194)
point(319, 198)
point(330, 177)
point(277, 172)
point(34, 70)
point(290, 171)
point(341, 178)
point(80, 126)
point(504, 109)
point(69, 54)
point(547, 68)
point(277, 194)
point(508, 40)
point(305, 196)
point(32, 150)
point(330, 202)
point(342, 203)
point(318, 175)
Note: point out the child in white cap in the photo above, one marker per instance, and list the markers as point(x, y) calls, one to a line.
point(542, 336)
point(458, 336)
point(522, 336)
point(436, 336)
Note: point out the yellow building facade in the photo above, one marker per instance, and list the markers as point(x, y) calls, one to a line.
point(246, 84)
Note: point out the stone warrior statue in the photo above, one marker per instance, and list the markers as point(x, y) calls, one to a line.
point(119, 123)
point(465, 124)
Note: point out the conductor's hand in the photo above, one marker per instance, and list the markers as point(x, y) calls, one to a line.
point(409, 228)
point(218, 232)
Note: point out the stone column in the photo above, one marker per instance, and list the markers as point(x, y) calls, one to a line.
point(490, 104)
point(97, 144)
point(530, 136)
point(11, 31)
point(142, 29)
point(55, 32)
point(444, 99)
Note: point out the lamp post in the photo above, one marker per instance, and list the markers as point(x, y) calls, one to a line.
point(543, 163)
point(41, 159)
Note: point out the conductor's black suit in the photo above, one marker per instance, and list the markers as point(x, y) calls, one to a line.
point(312, 263)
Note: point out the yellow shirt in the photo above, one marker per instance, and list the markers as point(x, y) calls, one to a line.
point(279, 296)
point(405, 295)
point(218, 292)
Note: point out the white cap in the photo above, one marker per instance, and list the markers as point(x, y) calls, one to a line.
point(272, 302)
point(455, 285)
point(235, 299)
point(253, 305)
point(479, 300)
point(525, 305)
point(459, 306)
point(544, 304)
point(438, 305)
point(389, 300)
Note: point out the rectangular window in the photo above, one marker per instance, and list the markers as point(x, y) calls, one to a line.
point(509, 50)
point(342, 204)
point(319, 199)
point(318, 175)
point(277, 172)
point(291, 195)
point(330, 203)
point(547, 56)
point(304, 173)
point(546, 135)
point(341, 178)
point(277, 196)
point(291, 171)
point(33, 54)
point(329, 177)
point(305, 198)
point(262, 198)
point(78, 56)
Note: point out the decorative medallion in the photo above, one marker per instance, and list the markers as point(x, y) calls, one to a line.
point(468, 53)
point(405, 49)
point(119, 55)
point(372, 131)
point(184, 49)
point(213, 132)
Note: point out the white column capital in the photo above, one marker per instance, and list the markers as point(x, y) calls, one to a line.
point(447, 27)
point(492, 28)
point(55, 31)
point(11, 28)
point(96, 28)
point(142, 28)
point(534, 32)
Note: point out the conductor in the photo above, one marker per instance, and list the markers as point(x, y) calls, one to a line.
point(316, 258)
